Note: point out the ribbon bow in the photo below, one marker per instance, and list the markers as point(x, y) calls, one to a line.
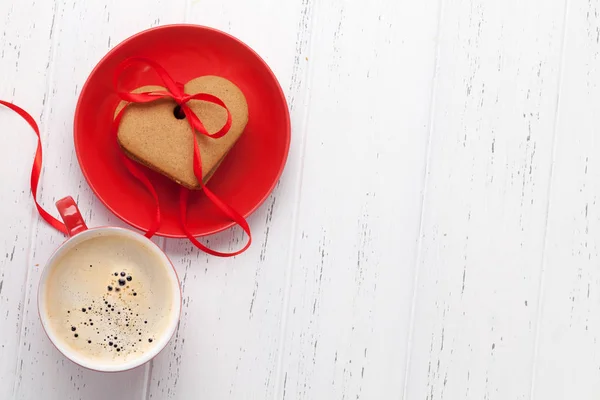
point(176, 92)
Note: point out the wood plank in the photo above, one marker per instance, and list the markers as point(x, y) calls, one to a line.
point(25, 37)
point(83, 33)
point(355, 246)
point(486, 200)
point(568, 356)
point(228, 338)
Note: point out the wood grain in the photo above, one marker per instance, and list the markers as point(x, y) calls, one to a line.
point(568, 353)
point(486, 200)
point(23, 48)
point(355, 245)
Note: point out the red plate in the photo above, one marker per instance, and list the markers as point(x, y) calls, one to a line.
point(250, 170)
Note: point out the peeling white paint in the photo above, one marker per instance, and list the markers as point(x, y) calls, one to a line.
point(433, 235)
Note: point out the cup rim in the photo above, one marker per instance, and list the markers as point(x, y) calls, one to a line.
point(99, 367)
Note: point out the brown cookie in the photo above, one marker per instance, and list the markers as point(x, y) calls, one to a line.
point(151, 134)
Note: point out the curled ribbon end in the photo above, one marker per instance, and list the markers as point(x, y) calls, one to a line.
point(36, 169)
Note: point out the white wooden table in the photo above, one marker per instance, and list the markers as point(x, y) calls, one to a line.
point(436, 232)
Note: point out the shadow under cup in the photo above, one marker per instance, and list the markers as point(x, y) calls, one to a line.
point(109, 299)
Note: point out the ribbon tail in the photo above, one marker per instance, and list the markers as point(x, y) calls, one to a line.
point(221, 205)
point(36, 169)
point(183, 201)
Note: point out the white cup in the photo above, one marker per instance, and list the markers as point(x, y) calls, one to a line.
point(78, 233)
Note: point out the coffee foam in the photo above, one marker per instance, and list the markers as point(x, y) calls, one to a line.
point(109, 299)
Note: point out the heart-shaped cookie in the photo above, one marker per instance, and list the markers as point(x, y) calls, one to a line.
point(154, 135)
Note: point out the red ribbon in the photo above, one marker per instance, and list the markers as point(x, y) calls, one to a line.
point(174, 91)
point(37, 167)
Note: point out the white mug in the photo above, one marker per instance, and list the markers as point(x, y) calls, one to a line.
point(78, 233)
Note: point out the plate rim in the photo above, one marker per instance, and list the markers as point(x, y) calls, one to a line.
point(287, 130)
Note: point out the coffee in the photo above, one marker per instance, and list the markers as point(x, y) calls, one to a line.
point(110, 299)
